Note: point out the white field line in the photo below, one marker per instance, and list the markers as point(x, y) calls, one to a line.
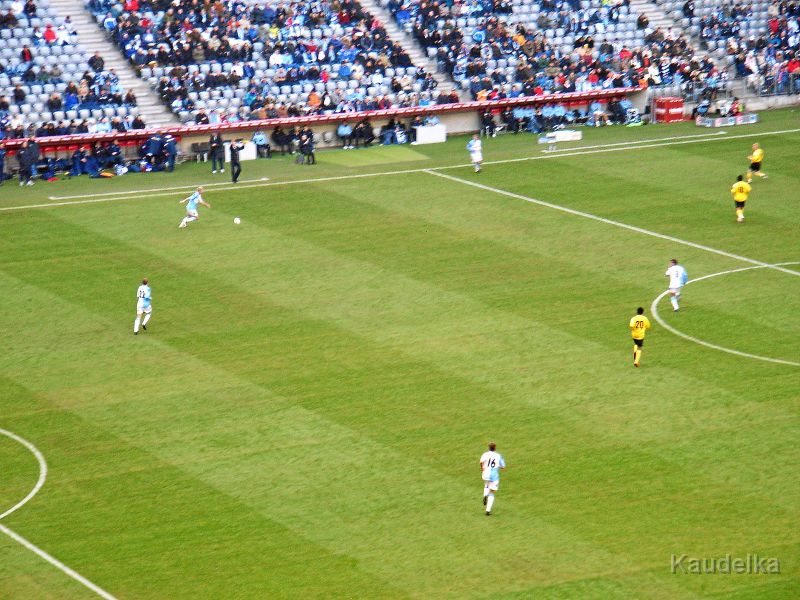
point(189, 186)
point(42, 470)
point(145, 194)
point(646, 141)
point(585, 215)
point(665, 325)
point(204, 185)
point(57, 563)
point(33, 548)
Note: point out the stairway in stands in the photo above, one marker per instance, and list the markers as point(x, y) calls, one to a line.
point(93, 38)
point(415, 51)
point(658, 18)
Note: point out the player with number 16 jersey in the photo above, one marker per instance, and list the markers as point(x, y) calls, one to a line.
point(491, 464)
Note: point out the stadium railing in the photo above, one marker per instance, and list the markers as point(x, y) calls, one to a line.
point(188, 134)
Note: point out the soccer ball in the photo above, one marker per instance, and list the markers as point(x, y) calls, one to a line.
point(236, 220)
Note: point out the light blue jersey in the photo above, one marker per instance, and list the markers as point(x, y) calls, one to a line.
point(143, 296)
point(474, 146)
point(491, 463)
point(193, 201)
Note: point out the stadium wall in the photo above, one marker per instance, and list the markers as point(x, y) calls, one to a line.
point(463, 117)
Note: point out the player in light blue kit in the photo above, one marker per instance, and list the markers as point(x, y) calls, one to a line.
point(491, 464)
point(475, 149)
point(191, 207)
point(143, 307)
point(677, 279)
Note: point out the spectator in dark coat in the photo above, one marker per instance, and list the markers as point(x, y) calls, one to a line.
point(216, 150)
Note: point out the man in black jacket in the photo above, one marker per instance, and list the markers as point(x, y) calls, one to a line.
point(24, 157)
point(217, 152)
point(236, 168)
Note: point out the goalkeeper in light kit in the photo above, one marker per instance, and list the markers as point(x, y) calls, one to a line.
point(639, 325)
point(756, 158)
point(740, 190)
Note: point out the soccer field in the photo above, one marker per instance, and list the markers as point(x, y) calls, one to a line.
point(304, 415)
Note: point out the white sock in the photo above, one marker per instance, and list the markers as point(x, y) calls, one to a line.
point(489, 503)
point(674, 300)
point(146, 319)
point(183, 222)
point(136, 325)
point(485, 491)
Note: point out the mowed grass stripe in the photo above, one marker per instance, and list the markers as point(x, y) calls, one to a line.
point(326, 261)
point(332, 385)
point(562, 537)
point(142, 509)
point(446, 490)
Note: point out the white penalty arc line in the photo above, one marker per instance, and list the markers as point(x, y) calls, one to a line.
point(585, 215)
point(29, 545)
point(42, 470)
point(146, 194)
point(665, 325)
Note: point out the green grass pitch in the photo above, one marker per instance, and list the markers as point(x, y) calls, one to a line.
point(304, 416)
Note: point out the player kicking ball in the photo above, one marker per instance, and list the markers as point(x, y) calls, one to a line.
point(191, 207)
point(677, 279)
point(475, 149)
point(491, 464)
point(143, 307)
point(639, 324)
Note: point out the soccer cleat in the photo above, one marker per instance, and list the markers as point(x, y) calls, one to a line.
point(135, 333)
point(144, 327)
point(214, 172)
point(488, 513)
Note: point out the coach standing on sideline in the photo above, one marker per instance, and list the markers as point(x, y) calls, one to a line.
point(236, 168)
point(216, 149)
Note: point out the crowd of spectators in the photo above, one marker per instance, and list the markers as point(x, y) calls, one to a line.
point(38, 97)
point(770, 62)
point(234, 61)
point(566, 48)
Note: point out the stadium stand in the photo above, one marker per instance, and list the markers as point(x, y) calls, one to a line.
point(228, 63)
point(49, 84)
point(759, 40)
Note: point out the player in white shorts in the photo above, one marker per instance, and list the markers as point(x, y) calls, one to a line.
point(143, 307)
point(491, 464)
point(677, 279)
point(475, 149)
point(191, 207)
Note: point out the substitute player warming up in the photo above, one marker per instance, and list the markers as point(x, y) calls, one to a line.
point(756, 158)
point(740, 191)
point(491, 463)
point(191, 207)
point(143, 307)
point(639, 325)
point(677, 279)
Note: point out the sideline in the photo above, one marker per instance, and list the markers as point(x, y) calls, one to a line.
point(145, 194)
point(665, 325)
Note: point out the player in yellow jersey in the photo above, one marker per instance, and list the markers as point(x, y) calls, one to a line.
point(740, 191)
point(755, 163)
point(639, 325)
